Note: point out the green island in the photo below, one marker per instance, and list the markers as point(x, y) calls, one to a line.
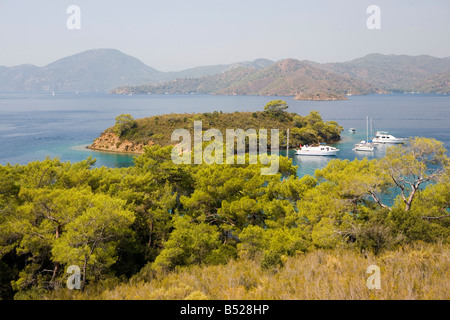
point(130, 135)
point(158, 230)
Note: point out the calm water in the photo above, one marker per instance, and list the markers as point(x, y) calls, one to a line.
point(35, 126)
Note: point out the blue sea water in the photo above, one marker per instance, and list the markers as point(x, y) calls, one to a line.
point(34, 126)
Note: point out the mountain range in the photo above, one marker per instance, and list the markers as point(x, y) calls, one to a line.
point(110, 70)
point(287, 77)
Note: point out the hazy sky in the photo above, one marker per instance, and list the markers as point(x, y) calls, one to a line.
point(172, 35)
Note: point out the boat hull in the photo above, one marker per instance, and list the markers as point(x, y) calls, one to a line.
point(388, 141)
point(316, 153)
point(364, 146)
point(368, 149)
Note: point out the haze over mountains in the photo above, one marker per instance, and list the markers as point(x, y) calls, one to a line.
point(105, 70)
point(98, 70)
point(287, 77)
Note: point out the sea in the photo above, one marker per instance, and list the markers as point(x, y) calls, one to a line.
point(36, 126)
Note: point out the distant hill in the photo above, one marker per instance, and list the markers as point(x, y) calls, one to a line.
point(392, 72)
point(98, 70)
point(93, 70)
point(23, 78)
point(256, 64)
point(436, 83)
point(287, 77)
point(291, 77)
point(217, 69)
point(208, 84)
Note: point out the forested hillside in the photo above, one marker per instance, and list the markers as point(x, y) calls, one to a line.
point(134, 231)
point(288, 77)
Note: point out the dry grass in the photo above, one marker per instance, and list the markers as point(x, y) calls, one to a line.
point(418, 272)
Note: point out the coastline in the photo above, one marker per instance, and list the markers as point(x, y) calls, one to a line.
point(89, 147)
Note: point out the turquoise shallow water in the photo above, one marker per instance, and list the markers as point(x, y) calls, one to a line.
point(35, 126)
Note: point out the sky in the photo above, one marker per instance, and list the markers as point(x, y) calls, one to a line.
point(172, 35)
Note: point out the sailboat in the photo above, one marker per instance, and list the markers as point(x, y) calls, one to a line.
point(365, 145)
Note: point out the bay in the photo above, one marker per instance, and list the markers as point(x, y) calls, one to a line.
point(34, 126)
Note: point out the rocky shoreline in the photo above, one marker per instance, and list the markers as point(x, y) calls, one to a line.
point(109, 141)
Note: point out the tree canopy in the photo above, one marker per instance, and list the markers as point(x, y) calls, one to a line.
point(154, 217)
point(124, 123)
point(276, 108)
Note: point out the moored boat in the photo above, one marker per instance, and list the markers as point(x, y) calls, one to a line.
point(364, 146)
point(316, 150)
point(385, 137)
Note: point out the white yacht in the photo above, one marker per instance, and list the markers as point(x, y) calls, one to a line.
point(384, 137)
point(316, 150)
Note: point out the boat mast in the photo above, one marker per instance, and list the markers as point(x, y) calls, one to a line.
point(367, 129)
point(371, 127)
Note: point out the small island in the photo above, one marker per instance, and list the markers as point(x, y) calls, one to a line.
point(132, 136)
point(320, 97)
